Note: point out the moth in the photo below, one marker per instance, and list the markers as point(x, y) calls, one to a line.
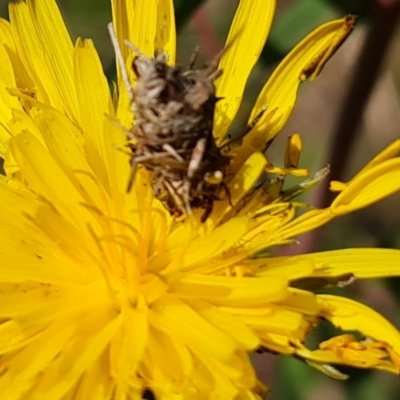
point(172, 133)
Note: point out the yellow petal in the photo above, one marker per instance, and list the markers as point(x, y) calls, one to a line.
point(246, 39)
point(375, 184)
point(267, 232)
point(350, 315)
point(96, 383)
point(58, 49)
point(279, 94)
point(20, 122)
point(143, 25)
point(94, 102)
point(31, 53)
point(7, 79)
point(165, 32)
point(389, 152)
point(123, 12)
point(277, 320)
point(216, 242)
point(22, 78)
point(175, 318)
point(345, 349)
point(302, 301)
point(243, 181)
point(232, 291)
point(168, 359)
point(6, 36)
point(294, 146)
point(362, 263)
point(150, 26)
point(30, 261)
point(22, 298)
point(46, 176)
point(293, 266)
point(135, 21)
point(93, 91)
point(94, 333)
point(309, 221)
point(13, 336)
point(229, 323)
point(128, 346)
point(26, 364)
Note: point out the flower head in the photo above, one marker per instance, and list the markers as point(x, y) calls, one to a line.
point(105, 294)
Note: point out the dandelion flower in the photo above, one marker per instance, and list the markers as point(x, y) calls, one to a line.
point(104, 294)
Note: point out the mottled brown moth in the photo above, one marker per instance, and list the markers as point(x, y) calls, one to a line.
point(172, 131)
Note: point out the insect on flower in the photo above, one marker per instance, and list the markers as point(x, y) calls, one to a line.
point(172, 131)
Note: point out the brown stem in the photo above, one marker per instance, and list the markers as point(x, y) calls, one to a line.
point(207, 36)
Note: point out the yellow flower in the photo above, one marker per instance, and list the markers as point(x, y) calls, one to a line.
point(103, 294)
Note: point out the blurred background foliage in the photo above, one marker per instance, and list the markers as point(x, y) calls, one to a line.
point(320, 107)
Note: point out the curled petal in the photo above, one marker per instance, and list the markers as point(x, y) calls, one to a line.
point(350, 315)
point(279, 94)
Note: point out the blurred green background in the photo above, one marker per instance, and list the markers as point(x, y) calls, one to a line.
point(315, 117)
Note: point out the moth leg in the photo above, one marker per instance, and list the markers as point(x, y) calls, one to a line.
point(225, 188)
point(214, 75)
point(122, 149)
point(147, 112)
point(197, 158)
point(249, 127)
point(193, 57)
point(170, 110)
point(135, 49)
point(256, 119)
point(170, 150)
point(177, 200)
point(186, 196)
point(141, 160)
point(193, 167)
point(147, 157)
point(207, 211)
point(212, 71)
point(121, 127)
point(132, 176)
point(121, 63)
point(153, 91)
